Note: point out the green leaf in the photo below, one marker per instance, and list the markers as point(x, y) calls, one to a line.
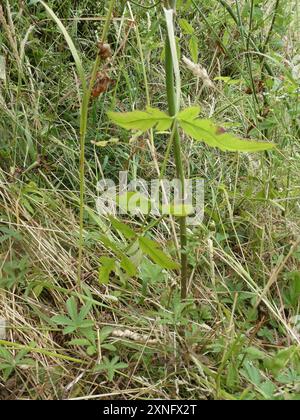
point(84, 311)
point(189, 113)
point(123, 228)
point(254, 353)
point(69, 330)
point(142, 120)
point(62, 320)
point(151, 249)
point(194, 49)
point(206, 131)
point(109, 347)
point(110, 366)
point(231, 143)
point(151, 273)
point(293, 295)
point(186, 27)
point(133, 202)
point(87, 323)
point(178, 210)
point(128, 266)
point(91, 350)
point(105, 333)
point(232, 375)
point(108, 265)
point(252, 373)
point(280, 360)
point(268, 389)
point(72, 307)
point(79, 342)
point(109, 244)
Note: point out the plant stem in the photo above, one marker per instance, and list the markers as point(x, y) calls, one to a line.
point(276, 7)
point(246, 42)
point(83, 130)
point(172, 103)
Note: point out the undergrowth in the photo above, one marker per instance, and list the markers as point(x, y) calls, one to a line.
point(126, 332)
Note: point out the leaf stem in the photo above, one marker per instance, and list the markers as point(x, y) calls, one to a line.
point(172, 96)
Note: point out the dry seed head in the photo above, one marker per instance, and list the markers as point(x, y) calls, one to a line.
point(2, 329)
point(133, 336)
point(199, 71)
point(104, 51)
point(102, 83)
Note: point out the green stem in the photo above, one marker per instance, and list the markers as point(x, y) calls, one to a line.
point(31, 349)
point(272, 26)
point(246, 42)
point(171, 95)
point(83, 130)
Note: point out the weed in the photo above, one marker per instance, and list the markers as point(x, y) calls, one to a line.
point(91, 305)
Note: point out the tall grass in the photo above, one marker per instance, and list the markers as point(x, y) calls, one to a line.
point(84, 110)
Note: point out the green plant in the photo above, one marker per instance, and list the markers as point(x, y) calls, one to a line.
point(151, 274)
point(136, 247)
point(76, 321)
point(14, 272)
point(265, 387)
point(94, 341)
point(110, 366)
point(228, 350)
point(9, 362)
point(188, 120)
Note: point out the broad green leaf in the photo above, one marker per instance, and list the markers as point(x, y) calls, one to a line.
point(142, 120)
point(108, 265)
point(254, 353)
point(128, 266)
point(186, 27)
point(268, 389)
point(252, 373)
point(206, 131)
point(280, 360)
point(151, 249)
point(231, 143)
point(194, 49)
point(189, 113)
point(122, 228)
